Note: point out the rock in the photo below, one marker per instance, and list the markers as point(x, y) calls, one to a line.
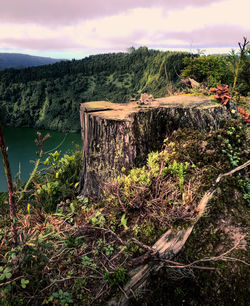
point(190, 83)
point(145, 99)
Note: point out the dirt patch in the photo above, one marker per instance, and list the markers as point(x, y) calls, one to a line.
point(235, 233)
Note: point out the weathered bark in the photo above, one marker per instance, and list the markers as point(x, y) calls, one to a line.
point(121, 135)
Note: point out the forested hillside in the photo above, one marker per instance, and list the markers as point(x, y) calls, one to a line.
point(19, 61)
point(50, 96)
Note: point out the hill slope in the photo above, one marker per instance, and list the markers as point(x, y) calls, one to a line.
point(19, 61)
point(50, 96)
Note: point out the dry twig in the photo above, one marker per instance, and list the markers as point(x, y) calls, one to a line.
point(172, 242)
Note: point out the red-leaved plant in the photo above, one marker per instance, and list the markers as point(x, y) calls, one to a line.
point(222, 94)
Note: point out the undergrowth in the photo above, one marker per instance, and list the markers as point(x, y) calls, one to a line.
point(154, 197)
point(74, 251)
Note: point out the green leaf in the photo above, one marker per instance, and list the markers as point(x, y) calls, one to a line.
point(86, 261)
point(5, 274)
point(72, 207)
point(124, 221)
point(24, 283)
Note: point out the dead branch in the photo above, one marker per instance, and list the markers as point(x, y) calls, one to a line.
point(246, 164)
point(145, 247)
point(12, 204)
point(221, 257)
point(171, 243)
point(11, 281)
point(119, 200)
point(39, 142)
point(63, 280)
point(243, 45)
point(242, 53)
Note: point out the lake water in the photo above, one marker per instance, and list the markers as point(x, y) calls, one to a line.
point(22, 149)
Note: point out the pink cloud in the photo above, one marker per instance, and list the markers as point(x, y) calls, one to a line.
point(210, 36)
point(40, 44)
point(57, 12)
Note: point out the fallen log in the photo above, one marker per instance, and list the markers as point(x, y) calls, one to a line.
point(169, 245)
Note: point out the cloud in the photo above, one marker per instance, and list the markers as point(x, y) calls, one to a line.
point(113, 26)
point(210, 36)
point(226, 36)
point(58, 12)
point(40, 44)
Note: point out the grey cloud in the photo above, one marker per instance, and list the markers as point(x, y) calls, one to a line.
point(57, 12)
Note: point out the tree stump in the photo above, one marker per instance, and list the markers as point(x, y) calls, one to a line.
point(121, 135)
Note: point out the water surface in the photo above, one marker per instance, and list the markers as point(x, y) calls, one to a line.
point(22, 149)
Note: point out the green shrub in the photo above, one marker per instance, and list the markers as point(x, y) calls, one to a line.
point(60, 180)
point(209, 69)
point(152, 197)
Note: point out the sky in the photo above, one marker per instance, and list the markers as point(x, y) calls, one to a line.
point(77, 28)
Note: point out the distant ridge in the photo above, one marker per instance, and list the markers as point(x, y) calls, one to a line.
point(19, 61)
